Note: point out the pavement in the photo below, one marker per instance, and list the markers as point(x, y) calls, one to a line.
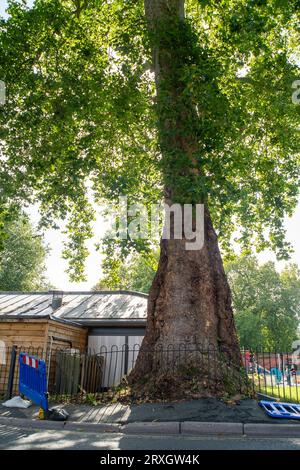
point(202, 410)
point(204, 417)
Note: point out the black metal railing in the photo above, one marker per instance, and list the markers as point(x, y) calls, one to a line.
point(101, 375)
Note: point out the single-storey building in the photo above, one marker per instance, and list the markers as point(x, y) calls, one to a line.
point(101, 321)
point(80, 319)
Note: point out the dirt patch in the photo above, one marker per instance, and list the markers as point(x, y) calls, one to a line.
point(205, 410)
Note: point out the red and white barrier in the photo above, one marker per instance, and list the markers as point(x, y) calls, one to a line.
point(31, 361)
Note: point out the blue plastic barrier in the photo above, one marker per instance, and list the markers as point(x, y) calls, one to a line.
point(281, 410)
point(33, 380)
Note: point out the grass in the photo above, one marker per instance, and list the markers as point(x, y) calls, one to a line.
point(284, 393)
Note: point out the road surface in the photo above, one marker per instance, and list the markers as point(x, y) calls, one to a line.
point(14, 438)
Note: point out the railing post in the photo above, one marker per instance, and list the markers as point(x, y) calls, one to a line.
point(126, 356)
point(11, 375)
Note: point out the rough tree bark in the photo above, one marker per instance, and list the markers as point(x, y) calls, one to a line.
point(190, 300)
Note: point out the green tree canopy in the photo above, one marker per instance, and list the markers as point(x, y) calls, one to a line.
point(22, 260)
point(136, 273)
point(266, 303)
point(80, 116)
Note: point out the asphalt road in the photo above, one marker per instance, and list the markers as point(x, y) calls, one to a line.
point(14, 438)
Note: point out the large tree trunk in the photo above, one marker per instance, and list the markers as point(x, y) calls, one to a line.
point(190, 300)
point(190, 317)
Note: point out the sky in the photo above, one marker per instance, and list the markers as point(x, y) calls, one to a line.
point(56, 266)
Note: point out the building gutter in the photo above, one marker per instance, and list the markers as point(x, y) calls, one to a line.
point(17, 318)
point(90, 322)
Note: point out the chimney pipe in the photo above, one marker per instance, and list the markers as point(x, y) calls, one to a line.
point(57, 298)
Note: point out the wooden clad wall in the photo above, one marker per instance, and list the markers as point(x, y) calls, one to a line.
point(37, 333)
point(22, 332)
point(77, 335)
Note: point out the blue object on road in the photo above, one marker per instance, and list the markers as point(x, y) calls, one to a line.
point(281, 410)
point(33, 380)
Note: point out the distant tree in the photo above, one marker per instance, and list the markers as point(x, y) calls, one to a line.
point(266, 303)
point(136, 274)
point(142, 272)
point(22, 258)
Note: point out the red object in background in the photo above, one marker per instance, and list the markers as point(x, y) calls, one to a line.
point(247, 356)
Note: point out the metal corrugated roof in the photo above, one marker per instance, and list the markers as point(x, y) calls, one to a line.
point(83, 307)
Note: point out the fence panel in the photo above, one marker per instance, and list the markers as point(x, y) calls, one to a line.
point(103, 373)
